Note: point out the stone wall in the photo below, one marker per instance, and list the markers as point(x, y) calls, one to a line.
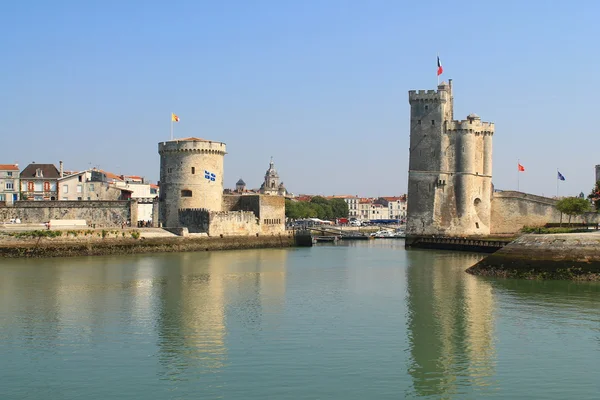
point(513, 210)
point(233, 223)
point(270, 210)
point(197, 220)
point(272, 214)
point(101, 213)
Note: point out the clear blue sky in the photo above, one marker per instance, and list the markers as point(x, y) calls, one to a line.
point(319, 85)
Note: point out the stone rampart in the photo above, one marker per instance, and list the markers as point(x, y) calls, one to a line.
point(270, 210)
point(233, 223)
point(513, 210)
point(197, 220)
point(100, 213)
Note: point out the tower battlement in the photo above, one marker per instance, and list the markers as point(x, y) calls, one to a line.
point(194, 145)
point(425, 95)
point(471, 125)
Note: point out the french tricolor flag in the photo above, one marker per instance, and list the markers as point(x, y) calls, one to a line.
point(439, 65)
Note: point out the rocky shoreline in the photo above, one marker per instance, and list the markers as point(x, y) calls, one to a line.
point(571, 256)
point(96, 246)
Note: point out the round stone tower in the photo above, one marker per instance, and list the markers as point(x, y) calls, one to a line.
point(191, 176)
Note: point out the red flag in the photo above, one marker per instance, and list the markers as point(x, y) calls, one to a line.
point(440, 69)
point(521, 168)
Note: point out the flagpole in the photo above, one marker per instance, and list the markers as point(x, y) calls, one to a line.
point(557, 182)
point(436, 69)
point(171, 126)
point(518, 163)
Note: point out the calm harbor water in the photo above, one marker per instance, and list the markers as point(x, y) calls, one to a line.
point(357, 321)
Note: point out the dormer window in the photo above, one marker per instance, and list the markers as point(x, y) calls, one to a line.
point(39, 173)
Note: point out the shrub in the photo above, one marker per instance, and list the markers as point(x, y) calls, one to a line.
point(135, 234)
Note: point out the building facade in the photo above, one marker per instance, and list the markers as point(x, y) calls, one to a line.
point(450, 167)
point(9, 183)
point(90, 185)
point(39, 182)
point(396, 206)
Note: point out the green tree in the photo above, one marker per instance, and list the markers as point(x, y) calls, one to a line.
point(292, 210)
point(573, 206)
point(594, 196)
point(340, 208)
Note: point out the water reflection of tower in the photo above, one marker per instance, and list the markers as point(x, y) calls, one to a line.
point(202, 290)
point(191, 324)
point(255, 286)
point(450, 324)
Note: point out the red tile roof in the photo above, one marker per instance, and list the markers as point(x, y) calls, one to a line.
point(303, 198)
point(401, 198)
point(341, 196)
point(110, 175)
point(9, 167)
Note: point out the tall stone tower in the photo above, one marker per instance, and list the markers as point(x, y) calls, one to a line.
point(450, 168)
point(191, 176)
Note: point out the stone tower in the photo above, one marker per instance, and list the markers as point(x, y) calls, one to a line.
point(271, 184)
point(450, 168)
point(240, 186)
point(191, 176)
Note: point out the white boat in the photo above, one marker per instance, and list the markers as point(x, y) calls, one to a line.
point(388, 234)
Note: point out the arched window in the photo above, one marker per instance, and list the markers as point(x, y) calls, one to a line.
point(186, 193)
point(193, 170)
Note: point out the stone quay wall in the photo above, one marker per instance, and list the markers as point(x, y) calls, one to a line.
point(58, 247)
point(513, 210)
point(574, 256)
point(101, 213)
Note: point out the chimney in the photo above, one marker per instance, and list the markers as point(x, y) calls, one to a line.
point(60, 169)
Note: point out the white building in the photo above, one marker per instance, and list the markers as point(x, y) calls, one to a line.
point(97, 184)
point(9, 183)
point(141, 191)
point(396, 206)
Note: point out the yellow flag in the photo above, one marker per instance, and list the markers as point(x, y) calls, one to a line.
point(174, 118)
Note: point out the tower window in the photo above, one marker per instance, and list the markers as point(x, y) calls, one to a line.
point(419, 122)
point(193, 170)
point(433, 122)
point(186, 193)
point(477, 225)
point(426, 107)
